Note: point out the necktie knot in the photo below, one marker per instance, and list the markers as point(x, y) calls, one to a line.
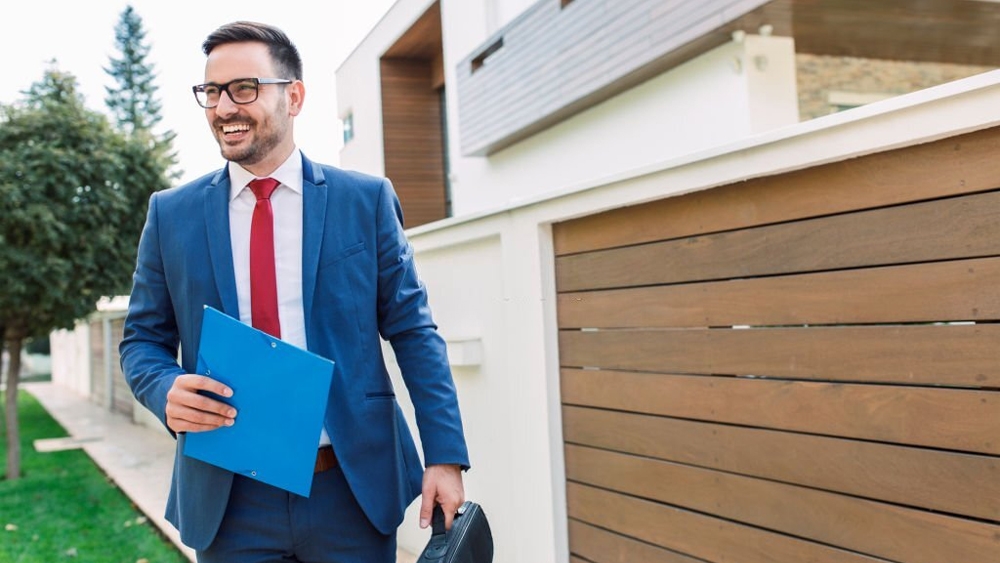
point(263, 187)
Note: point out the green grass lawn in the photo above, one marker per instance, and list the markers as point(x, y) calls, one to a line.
point(65, 509)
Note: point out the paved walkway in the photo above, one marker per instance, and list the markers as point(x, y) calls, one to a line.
point(137, 458)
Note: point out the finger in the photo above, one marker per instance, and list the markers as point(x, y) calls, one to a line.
point(195, 382)
point(449, 517)
point(202, 403)
point(426, 506)
point(197, 416)
point(183, 419)
point(184, 392)
point(449, 504)
point(179, 426)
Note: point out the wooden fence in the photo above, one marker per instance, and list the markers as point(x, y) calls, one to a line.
point(803, 367)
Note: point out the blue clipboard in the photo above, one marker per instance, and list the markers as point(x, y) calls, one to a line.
point(280, 394)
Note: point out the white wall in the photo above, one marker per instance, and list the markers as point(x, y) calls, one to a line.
point(491, 277)
point(736, 90)
point(70, 352)
point(769, 65)
point(711, 100)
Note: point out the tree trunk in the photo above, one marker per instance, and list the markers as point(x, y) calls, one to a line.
point(13, 432)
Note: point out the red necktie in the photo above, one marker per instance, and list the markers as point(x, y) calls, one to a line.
point(263, 279)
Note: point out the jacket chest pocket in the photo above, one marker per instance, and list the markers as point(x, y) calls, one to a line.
point(341, 255)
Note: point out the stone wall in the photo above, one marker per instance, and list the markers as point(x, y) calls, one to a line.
point(854, 81)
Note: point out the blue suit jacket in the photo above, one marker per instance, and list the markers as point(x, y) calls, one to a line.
point(359, 282)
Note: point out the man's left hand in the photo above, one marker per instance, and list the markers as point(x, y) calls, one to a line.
point(442, 485)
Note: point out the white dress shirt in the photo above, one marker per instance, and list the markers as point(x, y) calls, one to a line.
point(286, 203)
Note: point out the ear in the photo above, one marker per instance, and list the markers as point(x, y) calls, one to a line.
point(296, 92)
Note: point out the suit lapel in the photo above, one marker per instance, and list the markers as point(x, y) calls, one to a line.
point(314, 194)
point(219, 243)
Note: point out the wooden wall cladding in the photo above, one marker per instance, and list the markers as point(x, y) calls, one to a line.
point(801, 367)
point(412, 137)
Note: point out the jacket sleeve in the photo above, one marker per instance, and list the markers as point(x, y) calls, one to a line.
point(150, 344)
point(405, 321)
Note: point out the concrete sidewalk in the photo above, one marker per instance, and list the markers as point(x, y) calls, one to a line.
point(138, 459)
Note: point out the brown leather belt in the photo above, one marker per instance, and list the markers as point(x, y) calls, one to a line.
point(325, 459)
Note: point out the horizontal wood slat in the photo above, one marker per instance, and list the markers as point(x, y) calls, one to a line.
point(963, 290)
point(889, 531)
point(602, 546)
point(952, 355)
point(964, 227)
point(696, 534)
point(954, 419)
point(953, 166)
point(956, 483)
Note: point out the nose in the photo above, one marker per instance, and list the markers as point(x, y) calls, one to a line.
point(226, 106)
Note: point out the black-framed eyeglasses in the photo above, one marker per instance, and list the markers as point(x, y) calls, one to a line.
point(241, 90)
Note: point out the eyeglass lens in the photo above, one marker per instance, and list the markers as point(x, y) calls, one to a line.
point(242, 91)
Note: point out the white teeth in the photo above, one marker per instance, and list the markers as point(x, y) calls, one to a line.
point(235, 128)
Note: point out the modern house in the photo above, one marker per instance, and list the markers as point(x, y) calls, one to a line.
point(697, 311)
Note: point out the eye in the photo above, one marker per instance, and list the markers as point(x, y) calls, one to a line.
point(246, 86)
point(210, 90)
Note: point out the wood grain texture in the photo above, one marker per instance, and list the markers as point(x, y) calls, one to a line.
point(889, 531)
point(946, 229)
point(948, 355)
point(950, 482)
point(961, 290)
point(696, 534)
point(953, 419)
point(601, 546)
point(412, 137)
point(957, 165)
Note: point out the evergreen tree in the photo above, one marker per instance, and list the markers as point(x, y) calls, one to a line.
point(71, 185)
point(133, 102)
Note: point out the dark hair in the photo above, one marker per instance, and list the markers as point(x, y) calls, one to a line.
point(282, 50)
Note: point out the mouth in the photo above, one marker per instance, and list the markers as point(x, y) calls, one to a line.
point(235, 128)
point(233, 132)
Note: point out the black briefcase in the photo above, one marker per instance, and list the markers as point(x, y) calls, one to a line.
point(468, 541)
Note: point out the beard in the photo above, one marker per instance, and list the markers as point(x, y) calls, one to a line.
point(268, 134)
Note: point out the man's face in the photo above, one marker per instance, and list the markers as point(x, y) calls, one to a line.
point(258, 134)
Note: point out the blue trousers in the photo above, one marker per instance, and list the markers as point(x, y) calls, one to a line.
point(264, 524)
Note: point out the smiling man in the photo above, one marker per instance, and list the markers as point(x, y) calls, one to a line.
point(315, 256)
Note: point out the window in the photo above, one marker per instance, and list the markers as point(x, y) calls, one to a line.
point(481, 59)
point(348, 128)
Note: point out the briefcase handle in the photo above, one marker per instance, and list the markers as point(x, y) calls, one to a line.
point(437, 547)
point(437, 521)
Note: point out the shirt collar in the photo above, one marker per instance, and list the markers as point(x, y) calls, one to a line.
point(289, 174)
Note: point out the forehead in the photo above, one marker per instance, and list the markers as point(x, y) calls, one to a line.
point(238, 60)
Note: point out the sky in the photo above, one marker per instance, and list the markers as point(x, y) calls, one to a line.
point(80, 37)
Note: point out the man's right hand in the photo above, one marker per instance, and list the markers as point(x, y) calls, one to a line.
point(190, 411)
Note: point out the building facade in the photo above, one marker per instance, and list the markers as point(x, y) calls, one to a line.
point(585, 181)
